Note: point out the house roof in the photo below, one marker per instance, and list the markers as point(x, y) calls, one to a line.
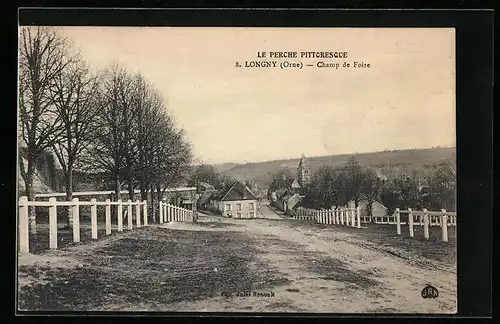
point(238, 191)
point(295, 183)
point(364, 202)
point(206, 186)
point(205, 197)
point(293, 201)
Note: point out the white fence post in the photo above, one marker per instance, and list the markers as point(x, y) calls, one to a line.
point(53, 223)
point(120, 216)
point(138, 216)
point(93, 216)
point(398, 222)
point(76, 220)
point(24, 246)
point(129, 214)
point(410, 222)
point(358, 212)
point(161, 213)
point(342, 216)
point(353, 217)
point(337, 216)
point(426, 224)
point(108, 217)
point(444, 225)
point(145, 213)
point(138, 213)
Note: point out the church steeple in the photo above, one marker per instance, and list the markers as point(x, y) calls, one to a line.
point(303, 172)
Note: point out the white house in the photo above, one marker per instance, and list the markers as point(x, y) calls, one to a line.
point(237, 202)
point(378, 209)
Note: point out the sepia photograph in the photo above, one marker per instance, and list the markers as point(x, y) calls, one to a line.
point(236, 169)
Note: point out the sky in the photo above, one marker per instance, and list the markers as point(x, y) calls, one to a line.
point(405, 100)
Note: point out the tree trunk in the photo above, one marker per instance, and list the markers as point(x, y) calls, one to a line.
point(144, 189)
point(159, 193)
point(28, 183)
point(153, 205)
point(69, 195)
point(117, 188)
point(131, 194)
point(369, 205)
point(28, 177)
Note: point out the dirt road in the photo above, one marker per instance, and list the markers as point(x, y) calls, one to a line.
point(254, 265)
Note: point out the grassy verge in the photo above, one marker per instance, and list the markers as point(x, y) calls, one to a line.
point(154, 267)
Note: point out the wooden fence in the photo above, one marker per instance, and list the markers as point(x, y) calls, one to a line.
point(434, 219)
point(352, 217)
point(334, 216)
point(426, 219)
point(75, 204)
point(170, 212)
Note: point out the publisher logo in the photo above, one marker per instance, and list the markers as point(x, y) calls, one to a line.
point(430, 291)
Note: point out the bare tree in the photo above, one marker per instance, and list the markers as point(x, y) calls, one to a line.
point(74, 97)
point(112, 139)
point(340, 185)
point(42, 57)
point(148, 123)
point(172, 160)
point(354, 180)
point(371, 189)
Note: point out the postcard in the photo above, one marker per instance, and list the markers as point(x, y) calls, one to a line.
point(237, 169)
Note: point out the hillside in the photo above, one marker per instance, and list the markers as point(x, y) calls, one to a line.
point(396, 161)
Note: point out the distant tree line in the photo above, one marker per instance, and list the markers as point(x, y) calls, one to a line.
point(110, 122)
point(337, 186)
point(206, 173)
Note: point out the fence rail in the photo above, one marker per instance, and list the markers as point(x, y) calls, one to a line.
point(352, 217)
point(75, 204)
point(108, 192)
point(334, 216)
point(170, 212)
point(426, 219)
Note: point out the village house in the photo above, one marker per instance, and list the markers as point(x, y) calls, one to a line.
point(205, 198)
point(238, 201)
point(290, 202)
point(290, 197)
point(378, 209)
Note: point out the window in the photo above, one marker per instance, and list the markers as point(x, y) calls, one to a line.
point(227, 207)
point(251, 206)
point(238, 206)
